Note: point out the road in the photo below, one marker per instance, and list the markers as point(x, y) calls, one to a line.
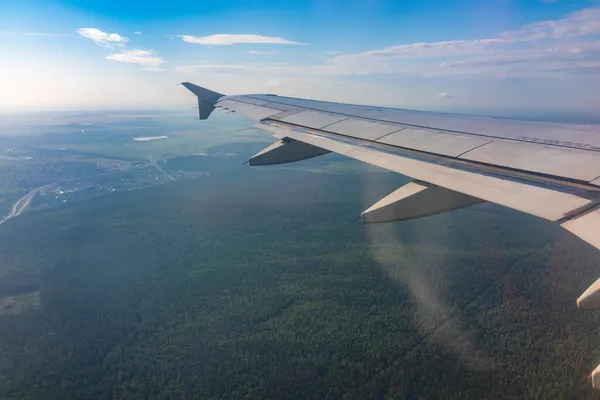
point(20, 205)
point(158, 167)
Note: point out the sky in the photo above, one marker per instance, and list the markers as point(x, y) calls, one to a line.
point(487, 56)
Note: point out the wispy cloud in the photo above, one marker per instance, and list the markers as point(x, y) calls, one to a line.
point(258, 52)
point(551, 52)
point(326, 55)
point(103, 38)
point(138, 33)
point(567, 46)
point(146, 58)
point(580, 23)
point(224, 39)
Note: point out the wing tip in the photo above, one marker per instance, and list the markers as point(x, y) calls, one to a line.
point(206, 99)
point(200, 91)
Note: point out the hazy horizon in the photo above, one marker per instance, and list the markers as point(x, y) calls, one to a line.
point(562, 116)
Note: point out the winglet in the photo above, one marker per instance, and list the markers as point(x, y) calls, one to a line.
point(206, 99)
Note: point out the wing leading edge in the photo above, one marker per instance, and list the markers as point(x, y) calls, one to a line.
point(549, 170)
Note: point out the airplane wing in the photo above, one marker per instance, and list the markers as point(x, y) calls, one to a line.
point(549, 170)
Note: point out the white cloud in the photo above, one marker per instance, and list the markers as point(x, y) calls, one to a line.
point(580, 23)
point(444, 95)
point(224, 39)
point(570, 43)
point(146, 58)
point(554, 51)
point(258, 52)
point(425, 50)
point(137, 33)
point(103, 38)
point(568, 46)
point(202, 68)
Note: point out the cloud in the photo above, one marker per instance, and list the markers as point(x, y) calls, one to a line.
point(224, 39)
point(327, 55)
point(568, 43)
point(444, 95)
point(563, 47)
point(425, 50)
point(258, 52)
point(580, 23)
point(137, 33)
point(146, 58)
point(223, 69)
point(103, 38)
point(553, 52)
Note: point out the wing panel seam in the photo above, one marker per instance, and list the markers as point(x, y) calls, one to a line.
point(333, 123)
point(388, 134)
point(474, 148)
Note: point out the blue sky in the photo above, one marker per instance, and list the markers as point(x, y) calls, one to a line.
point(530, 55)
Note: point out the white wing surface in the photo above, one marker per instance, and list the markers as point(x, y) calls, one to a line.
point(550, 170)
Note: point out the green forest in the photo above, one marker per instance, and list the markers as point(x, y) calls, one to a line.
point(255, 284)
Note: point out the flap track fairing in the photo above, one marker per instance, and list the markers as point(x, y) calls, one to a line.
point(414, 200)
point(286, 151)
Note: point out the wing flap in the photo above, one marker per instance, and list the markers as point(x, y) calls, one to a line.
point(546, 203)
